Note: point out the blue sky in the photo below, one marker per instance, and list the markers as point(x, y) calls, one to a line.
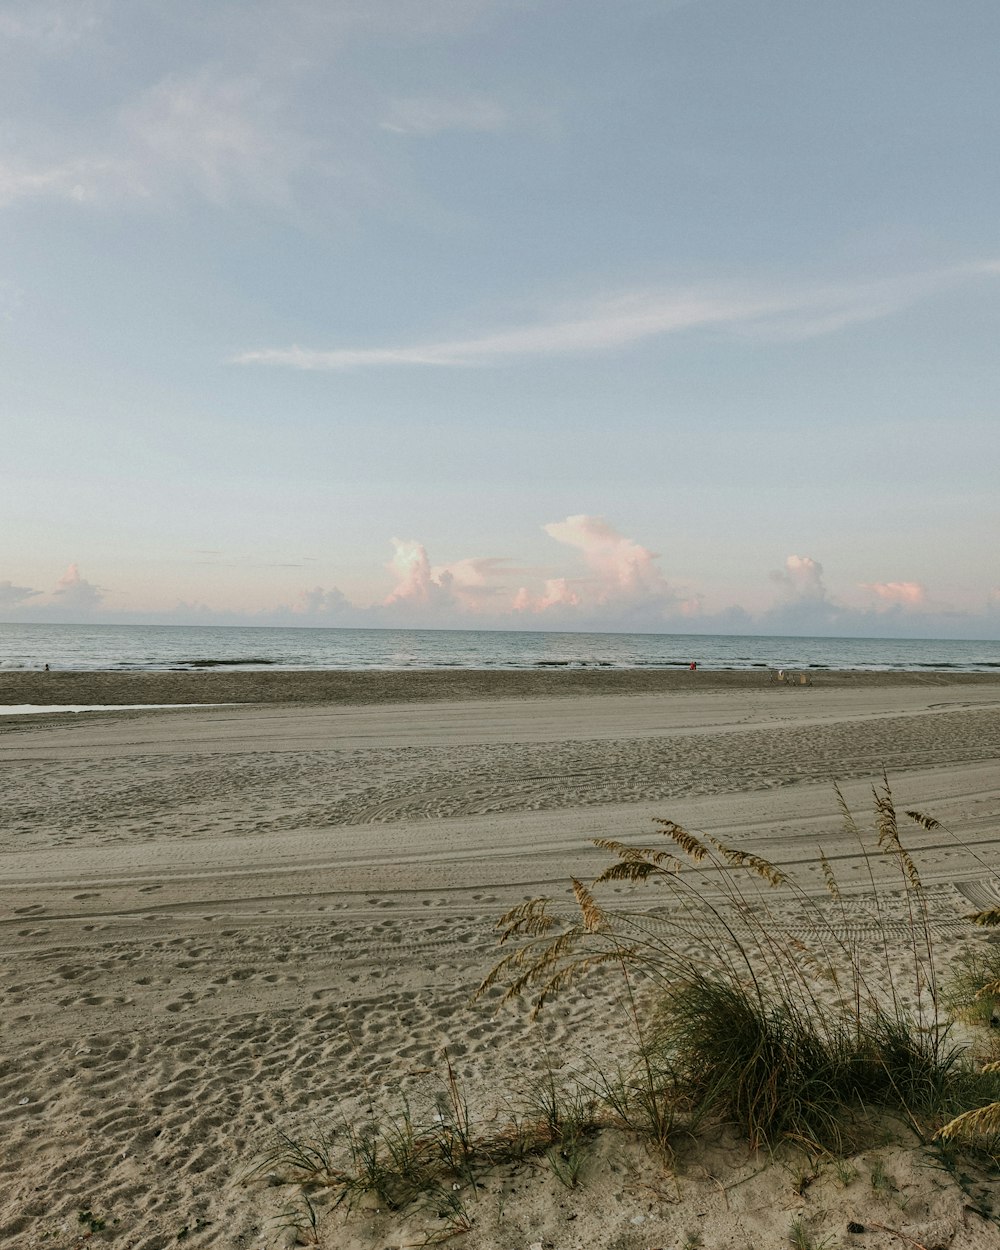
point(554, 315)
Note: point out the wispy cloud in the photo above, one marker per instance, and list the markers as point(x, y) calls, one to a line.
point(256, 104)
point(224, 137)
point(52, 25)
point(219, 139)
point(429, 115)
point(85, 180)
point(606, 324)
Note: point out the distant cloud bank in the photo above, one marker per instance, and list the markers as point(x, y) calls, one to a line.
point(615, 583)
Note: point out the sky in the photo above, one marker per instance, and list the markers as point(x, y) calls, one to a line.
point(541, 314)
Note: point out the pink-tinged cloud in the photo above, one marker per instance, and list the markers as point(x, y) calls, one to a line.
point(557, 594)
point(907, 594)
point(74, 591)
point(412, 570)
point(801, 579)
point(620, 568)
point(693, 606)
point(472, 584)
point(619, 572)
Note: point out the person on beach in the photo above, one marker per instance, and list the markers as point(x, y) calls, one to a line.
point(693, 665)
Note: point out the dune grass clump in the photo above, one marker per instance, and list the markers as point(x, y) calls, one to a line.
point(429, 1162)
point(972, 992)
point(814, 1019)
point(799, 1023)
point(757, 1065)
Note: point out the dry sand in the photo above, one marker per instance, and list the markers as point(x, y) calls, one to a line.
point(225, 922)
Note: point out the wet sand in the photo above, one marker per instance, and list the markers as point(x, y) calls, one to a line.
point(353, 687)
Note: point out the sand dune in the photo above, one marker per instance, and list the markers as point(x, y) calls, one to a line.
point(222, 922)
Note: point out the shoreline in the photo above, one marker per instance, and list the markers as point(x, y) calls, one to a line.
point(371, 686)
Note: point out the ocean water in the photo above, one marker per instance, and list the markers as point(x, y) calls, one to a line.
point(164, 647)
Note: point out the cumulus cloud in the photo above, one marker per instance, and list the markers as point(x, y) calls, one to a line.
point(75, 592)
point(803, 605)
point(322, 603)
point(472, 584)
point(476, 583)
point(619, 586)
point(905, 594)
point(620, 567)
point(619, 576)
point(807, 606)
point(412, 570)
point(621, 581)
point(12, 596)
point(801, 579)
point(557, 594)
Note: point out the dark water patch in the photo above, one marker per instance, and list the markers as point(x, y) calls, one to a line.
point(255, 660)
point(575, 664)
point(658, 664)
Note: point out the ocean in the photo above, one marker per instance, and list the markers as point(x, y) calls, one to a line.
point(178, 647)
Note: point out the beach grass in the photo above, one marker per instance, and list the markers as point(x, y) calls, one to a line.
point(755, 1006)
point(785, 1031)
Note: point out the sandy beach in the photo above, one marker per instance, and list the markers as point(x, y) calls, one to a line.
point(222, 922)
